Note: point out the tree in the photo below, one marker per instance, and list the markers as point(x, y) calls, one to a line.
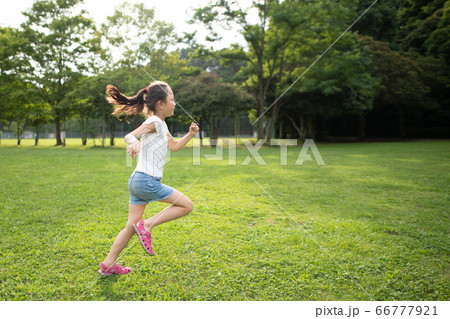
point(90, 103)
point(14, 91)
point(435, 75)
point(380, 22)
point(63, 46)
point(438, 43)
point(83, 108)
point(288, 38)
point(133, 30)
point(211, 100)
point(38, 113)
point(418, 20)
point(225, 62)
point(339, 85)
point(403, 89)
point(262, 53)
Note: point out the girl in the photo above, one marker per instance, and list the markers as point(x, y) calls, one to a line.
point(156, 102)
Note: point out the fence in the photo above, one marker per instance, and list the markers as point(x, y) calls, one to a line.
point(227, 129)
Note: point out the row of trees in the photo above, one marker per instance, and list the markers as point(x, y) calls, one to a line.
point(387, 73)
point(57, 65)
point(392, 67)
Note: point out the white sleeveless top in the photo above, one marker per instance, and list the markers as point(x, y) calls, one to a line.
point(152, 156)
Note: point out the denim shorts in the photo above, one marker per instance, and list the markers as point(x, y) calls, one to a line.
point(145, 188)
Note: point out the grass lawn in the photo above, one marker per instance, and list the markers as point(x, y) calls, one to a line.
point(373, 223)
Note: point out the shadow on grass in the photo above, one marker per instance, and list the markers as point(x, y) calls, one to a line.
point(107, 285)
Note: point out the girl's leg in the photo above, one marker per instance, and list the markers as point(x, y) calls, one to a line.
point(135, 213)
point(181, 206)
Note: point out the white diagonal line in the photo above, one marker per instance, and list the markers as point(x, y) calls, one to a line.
point(140, 66)
point(314, 62)
point(314, 240)
point(131, 246)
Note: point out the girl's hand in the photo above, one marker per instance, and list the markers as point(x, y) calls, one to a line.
point(193, 129)
point(134, 149)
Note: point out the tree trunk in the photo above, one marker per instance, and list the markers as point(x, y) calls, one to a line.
point(311, 126)
point(262, 95)
point(302, 130)
point(36, 138)
point(112, 128)
point(281, 130)
point(58, 127)
point(200, 131)
point(84, 131)
point(260, 112)
point(276, 107)
point(18, 133)
point(293, 123)
point(273, 119)
point(211, 132)
point(217, 128)
point(213, 135)
point(103, 131)
point(64, 139)
point(236, 128)
point(81, 130)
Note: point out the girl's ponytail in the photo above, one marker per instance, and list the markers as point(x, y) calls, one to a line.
point(144, 101)
point(128, 105)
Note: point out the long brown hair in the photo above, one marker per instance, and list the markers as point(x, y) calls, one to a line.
point(143, 102)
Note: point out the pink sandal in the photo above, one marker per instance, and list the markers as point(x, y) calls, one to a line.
point(115, 269)
point(145, 238)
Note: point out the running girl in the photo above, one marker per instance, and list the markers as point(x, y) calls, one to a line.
point(156, 102)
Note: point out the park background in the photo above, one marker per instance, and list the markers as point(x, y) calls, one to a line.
point(372, 224)
point(387, 77)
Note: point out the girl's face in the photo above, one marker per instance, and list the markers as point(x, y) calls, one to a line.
point(169, 105)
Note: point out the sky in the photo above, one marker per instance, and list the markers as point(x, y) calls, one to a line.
point(175, 11)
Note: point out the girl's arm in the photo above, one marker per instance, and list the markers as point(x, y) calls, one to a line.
point(137, 133)
point(132, 139)
point(176, 145)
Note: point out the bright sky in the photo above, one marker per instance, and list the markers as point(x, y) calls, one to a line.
point(175, 11)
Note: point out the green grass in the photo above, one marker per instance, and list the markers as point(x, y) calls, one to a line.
point(378, 210)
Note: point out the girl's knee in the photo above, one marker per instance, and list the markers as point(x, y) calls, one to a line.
point(189, 206)
point(129, 227)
